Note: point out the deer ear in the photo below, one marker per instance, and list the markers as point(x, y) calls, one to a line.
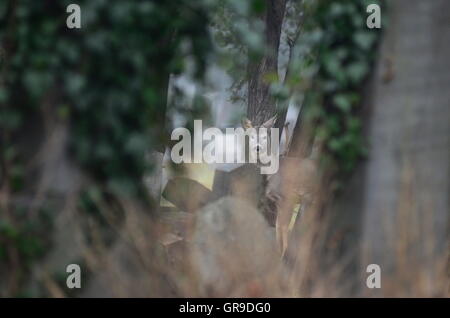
point(270, 123)
point(246, 123)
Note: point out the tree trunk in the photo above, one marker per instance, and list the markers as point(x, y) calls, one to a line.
point(302, 134)
point(260, 104)
point(400, 196)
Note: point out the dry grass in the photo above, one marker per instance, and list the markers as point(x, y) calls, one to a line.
point(142, 262)
point(160, 269)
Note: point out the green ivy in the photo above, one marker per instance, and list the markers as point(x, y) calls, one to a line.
point(109, 78)
point(108, 81)
point(344, 53)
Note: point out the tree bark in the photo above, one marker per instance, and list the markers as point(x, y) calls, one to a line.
point(302, 134)
point(261, 106)
point(399, 197)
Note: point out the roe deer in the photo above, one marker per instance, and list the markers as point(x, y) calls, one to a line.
point(259, 139)
point(295, 182)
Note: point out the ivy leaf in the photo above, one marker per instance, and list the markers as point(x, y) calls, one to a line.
point(364, 40)
point(343, 102)
point(357, 71)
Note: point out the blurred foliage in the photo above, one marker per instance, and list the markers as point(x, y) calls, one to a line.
point(344, 51)
point(109, 78)
point(108, 81)
point(238, 32)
